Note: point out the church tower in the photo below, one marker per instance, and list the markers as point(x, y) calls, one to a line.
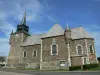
point(16, 39)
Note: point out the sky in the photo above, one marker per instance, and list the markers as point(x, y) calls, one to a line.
point(43, 14)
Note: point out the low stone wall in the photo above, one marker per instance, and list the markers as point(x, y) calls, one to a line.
point(52, 65)
point(23, 65)
point(33, 65)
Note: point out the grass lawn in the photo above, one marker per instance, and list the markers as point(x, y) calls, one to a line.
point(94, 69)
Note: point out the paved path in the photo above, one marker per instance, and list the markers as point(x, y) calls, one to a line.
point(27, 72)
point(12, 73)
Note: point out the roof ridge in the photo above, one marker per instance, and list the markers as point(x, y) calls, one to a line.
point(37, 34)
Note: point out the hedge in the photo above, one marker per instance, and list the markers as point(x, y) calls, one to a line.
point(89, 66)
point(74, 68)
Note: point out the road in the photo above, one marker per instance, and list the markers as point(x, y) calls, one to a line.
point(27, 72)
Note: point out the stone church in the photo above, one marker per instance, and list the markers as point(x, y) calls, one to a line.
point(56, 49)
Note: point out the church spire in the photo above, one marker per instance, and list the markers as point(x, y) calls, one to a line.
point(67, 28)
point(12, 32)
point(22, 27)
point(23, 22)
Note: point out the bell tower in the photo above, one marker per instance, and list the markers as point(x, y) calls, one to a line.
point(15, 41)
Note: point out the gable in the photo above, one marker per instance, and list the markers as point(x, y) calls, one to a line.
point(80, 32)
point(54, 31)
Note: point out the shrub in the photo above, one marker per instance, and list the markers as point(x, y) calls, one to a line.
point(89, 66)
point(74, 68)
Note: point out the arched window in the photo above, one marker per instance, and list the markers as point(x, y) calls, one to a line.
point(34, 54)
point(91, 49)
point(24, 54)
point(54, 49)
point(79, 50)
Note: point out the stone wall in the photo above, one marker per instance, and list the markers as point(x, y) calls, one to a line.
point(14, 55)
point(85, 43)
point(92, 56)
point(62, 49)
point(74, 43)
point(31, 60)
point(53, 65)
point(33, 65)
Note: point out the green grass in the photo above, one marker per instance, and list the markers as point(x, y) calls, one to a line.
point(94, 69)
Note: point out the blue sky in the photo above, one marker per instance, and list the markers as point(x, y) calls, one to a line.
point(43, 14)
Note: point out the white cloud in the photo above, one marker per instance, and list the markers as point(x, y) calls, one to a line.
point(33, 9)
point(16, 8)
point(6, 28)
point(51, 18)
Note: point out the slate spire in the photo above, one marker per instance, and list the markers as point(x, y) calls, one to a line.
point(12, 32)
point(67, 28)
point(22, 27)
point(23, 22)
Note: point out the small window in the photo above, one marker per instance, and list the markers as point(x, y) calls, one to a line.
point(35, 53)
point(85, 61)
point(54, 49)
point(25, 54)
point(79, 50)
point(62, 63)
point(91, 49)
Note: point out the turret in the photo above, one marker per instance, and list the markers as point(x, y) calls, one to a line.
point(67, 35)
point(10, 40)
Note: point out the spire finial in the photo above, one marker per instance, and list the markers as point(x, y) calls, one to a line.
point(23, 19)
point(67, 28)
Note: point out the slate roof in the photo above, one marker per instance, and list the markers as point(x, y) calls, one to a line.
point(79, 32)
point(33, 39)
point(54, 31)
point(76, 33)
